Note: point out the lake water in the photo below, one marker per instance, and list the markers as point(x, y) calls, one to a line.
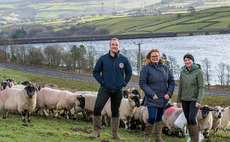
point(216, 48)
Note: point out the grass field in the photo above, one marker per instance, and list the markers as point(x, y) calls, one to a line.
point(51, 129)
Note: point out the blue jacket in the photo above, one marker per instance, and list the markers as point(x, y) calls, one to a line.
point(156, 80)
point(116, 72)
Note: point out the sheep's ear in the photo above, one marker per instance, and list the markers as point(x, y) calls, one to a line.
point(222, 110)
point(211, 109)
point(5, 79)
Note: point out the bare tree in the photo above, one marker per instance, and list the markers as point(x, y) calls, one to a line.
point(67, 59)
point(228, 75)
point(220, 73)
point(34, 56)
point(207, 67)
point(175, 68)
point(53, 55)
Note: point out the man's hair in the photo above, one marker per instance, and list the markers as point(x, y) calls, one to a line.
point(114, 39)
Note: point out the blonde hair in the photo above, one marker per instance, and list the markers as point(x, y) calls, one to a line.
point(148, 56)
point(114, 39)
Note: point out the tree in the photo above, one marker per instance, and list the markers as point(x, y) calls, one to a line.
point(91, 57)
point(192, 10)
point(53, 55)
point(207, 67)
point(75, 54)
point(67, 59)
point(228, 75)
point(174, 67)
point(163, 56)
point(220, 73)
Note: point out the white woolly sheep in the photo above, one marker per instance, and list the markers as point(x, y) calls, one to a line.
point(21, 100)
point(170, 116)
point(53, 99)
point(225, 120)
point(205, 120)
point(217, 114)
point(90, 99)
point(126, 109)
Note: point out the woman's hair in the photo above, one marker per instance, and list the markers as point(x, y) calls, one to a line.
point(148, 56)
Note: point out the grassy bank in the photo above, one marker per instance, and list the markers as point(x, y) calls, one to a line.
point(53, 129)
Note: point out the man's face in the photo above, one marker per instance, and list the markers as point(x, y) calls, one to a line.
point(114, 46)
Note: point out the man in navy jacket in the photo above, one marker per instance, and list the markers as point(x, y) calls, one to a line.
point(113, 71)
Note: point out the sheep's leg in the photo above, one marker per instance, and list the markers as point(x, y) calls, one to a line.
point(28, 116)
point(75, 114)
point(5, 114)
point(225, 131)
point(126, 124)
point(24, 117)
point(67, 114)
point(56, 115)
point(44, 110)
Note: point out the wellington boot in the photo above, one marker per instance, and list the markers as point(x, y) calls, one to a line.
point(115, 126)
point(158, 131)
point(194, 133)
point(148, 131)
point(96, 126)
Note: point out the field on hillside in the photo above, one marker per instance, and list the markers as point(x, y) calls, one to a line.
point(53, 129)
point(204, 19)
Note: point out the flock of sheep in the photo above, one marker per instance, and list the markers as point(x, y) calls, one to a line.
point(25, 97)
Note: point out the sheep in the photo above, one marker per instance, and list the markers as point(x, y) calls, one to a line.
point(90, 99)
point(11, 81)
point(51, 86)
point(170, 116)
point(225, 120)
point(217, 114)
point(4, 85)
point(135, 121)
point(205, 120)
point(126, 109)
point(21, 100)
point(53, 99)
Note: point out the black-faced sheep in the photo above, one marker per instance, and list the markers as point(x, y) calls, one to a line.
point(4, 85)
point(21, 100)
point(205, 120)
point(126, 109)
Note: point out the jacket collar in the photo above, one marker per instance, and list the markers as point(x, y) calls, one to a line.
point(116, 55)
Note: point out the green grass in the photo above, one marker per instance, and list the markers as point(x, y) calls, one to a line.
point(51, 129)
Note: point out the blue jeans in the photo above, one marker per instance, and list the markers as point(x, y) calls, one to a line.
point(155, 114)
point(102, 98)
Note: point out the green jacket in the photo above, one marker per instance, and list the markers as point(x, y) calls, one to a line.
point(191, 86)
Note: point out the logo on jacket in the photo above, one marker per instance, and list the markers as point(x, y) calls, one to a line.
point(121, 65)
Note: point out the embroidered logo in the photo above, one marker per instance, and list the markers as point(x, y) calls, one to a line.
point(121, 65)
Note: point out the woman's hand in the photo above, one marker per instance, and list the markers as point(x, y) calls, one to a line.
point(155, 97)
point(198, 105)
point(166, 96)
point(178, 105)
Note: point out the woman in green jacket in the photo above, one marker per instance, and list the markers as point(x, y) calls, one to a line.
point(191, 90)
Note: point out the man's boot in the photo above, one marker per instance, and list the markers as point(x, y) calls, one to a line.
point(115, 126)
point(148, 131)
point(158, 131)
point(96, 126)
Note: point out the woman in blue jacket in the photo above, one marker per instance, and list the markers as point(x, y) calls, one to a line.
point(158, 85)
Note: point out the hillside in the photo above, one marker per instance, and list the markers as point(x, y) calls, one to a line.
point(212, 18)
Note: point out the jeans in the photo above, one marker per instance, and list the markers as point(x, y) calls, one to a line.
point(155, 114)
point(102, 98)
point(190, 111)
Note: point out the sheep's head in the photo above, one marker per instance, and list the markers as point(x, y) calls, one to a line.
point(10, 81)
point(218, 112)
point(125, 94)
point(25, 83)
point(205, 111)
point(5, 85)
point(81, 99)
point(30, 89)
point(135, 99)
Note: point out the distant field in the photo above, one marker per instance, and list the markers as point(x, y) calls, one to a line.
point(205, 19)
